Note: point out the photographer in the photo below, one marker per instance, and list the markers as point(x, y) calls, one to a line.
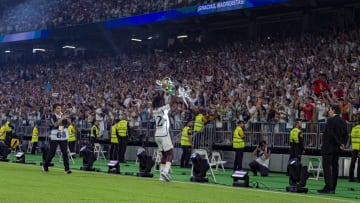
point(58, 136)
point(261, 163)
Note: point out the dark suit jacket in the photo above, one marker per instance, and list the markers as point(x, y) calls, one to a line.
point(334, 135)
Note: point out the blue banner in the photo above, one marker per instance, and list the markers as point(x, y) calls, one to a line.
point(204, 9)
point(24, 36)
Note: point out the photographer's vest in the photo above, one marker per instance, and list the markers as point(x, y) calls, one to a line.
point(295, 135)
point(185, 140)
point(199, 122)
point(35, 135)
point(94, 131)
point(355, 137)
point(238, 139)
point(114, 139)
point(122, 128)
point(72, 133)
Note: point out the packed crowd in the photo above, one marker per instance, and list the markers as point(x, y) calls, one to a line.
point(277, 81)
point(42, 14)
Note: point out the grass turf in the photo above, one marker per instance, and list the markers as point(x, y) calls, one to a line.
point(27, 183)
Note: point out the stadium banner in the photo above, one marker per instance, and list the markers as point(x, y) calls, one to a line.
point(186, 12)
point(24, 36)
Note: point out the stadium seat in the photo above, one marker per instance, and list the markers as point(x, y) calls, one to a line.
point(315, 168)
point(202, 152)
point(216, 159)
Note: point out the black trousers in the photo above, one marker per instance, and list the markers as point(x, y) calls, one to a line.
point(354, 157)
point(122, 148)
point(239, 154)
point(114, 151)
point(185, 157)
point(72, 146)
point(33, 149)
point(330, 164)
point(63, 147)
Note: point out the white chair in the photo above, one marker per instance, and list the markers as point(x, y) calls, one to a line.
point(30, 145)
point(216, 159)
point(100, 153)
point(70, 155)
point(203, 153)
point(315, 167)
point(157, 158)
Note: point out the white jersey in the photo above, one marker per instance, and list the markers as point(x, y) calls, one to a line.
point(162, 120)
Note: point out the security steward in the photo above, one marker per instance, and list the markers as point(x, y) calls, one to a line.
point(94, 134)
point(186, 145)
point(239, 145)
point(200, 121)
point(296, 141)
point(355, 144)
point(123, 130)
point(114, 142)
point(72, 136)
point(34, 138)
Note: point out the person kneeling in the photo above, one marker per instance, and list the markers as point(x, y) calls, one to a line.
point(261, 163)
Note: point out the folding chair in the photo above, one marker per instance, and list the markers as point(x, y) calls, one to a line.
point(202, 152)
point(70, 155)
point(30, 145)
point(315, 167)
point(157, 158)
point(216, 159)
point(100, 153)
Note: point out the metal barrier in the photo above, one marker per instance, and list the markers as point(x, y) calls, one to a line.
point(214, 133)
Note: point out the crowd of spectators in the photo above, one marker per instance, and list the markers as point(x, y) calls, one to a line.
point(42, 14)
point(276, 81)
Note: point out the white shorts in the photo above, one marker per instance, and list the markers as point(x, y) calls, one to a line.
point(164, 143)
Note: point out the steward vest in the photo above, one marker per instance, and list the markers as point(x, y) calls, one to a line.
point(94, 131)
point(72, 133)
point(7, 127)
point(295, 134)
point(2, 133)
point(35, 135)
point(238, 139)
point(355, 137)
point(185, 140)
point(122, 128)
point(199, 122)
point(114, 138)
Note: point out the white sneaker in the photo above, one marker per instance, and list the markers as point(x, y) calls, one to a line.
point(165, 176)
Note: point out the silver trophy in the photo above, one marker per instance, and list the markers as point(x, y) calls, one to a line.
point(168, 85)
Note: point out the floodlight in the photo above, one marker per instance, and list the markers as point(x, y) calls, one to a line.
point(146, 163)
point(113, 166)
point(199, 168)
point(88, 159)
point(298, 176)
point(136, 40)
point(20, 157)
point(240, 175)
point(181, 36)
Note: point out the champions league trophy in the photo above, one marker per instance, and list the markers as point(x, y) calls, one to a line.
point(168, 85)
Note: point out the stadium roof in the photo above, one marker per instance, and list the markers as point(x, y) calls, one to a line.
point(95, 35)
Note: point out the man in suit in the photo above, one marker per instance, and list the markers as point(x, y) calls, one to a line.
point(333, 142)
